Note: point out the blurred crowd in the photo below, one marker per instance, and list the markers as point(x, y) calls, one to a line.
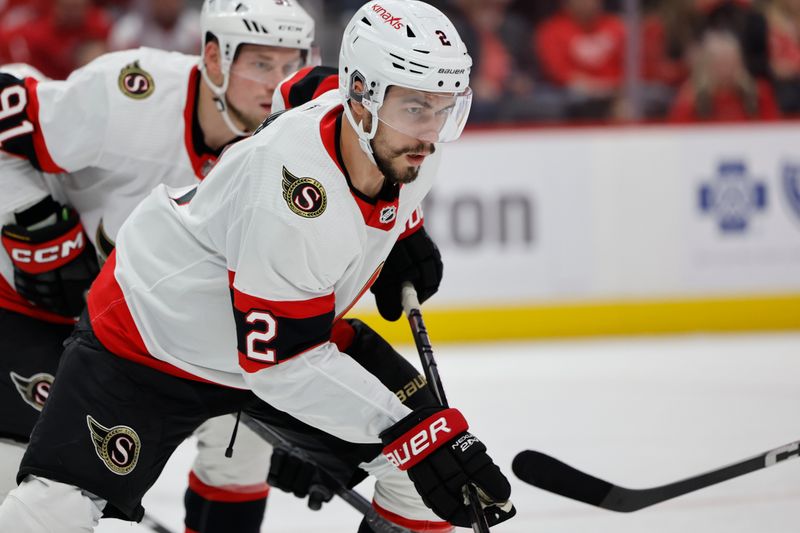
point(535, 61)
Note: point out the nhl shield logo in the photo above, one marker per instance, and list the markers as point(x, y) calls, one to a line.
point(304, 196)
point(34, 390)
point(791, 186)
point(118, 447)
point(388, 214)
point(135, 82)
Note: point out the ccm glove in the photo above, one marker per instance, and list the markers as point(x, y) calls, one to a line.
point(415, 258)
point(433, 445)
point(54, 264)
point(291, 472)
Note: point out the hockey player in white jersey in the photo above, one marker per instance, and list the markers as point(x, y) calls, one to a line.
point(225, 296)
point(120, 126)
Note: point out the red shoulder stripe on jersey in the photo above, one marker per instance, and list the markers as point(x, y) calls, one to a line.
point(287, 309)
point(114, 327)
point(228, 493)
point(287, 85)
point(327, 131)
point(40, 145)
point(200, 163)
point(328, 84)
point(12, 301)
point(428, 526)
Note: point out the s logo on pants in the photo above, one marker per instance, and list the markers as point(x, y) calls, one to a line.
point(118, 447)
point(34, 390)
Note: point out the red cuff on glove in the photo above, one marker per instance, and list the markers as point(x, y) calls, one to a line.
point(424, 438)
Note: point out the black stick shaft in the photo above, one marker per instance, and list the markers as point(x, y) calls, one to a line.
point(423, 342)
point(354, 498)
point(150, 522)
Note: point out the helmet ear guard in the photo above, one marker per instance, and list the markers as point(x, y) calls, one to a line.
point(361, 97)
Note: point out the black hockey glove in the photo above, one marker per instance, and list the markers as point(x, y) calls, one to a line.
point(55, 264)
point(416, 259)
point(290, 472)
point(441, 457)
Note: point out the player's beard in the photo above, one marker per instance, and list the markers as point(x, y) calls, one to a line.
point(250, 124)
point(390, 161)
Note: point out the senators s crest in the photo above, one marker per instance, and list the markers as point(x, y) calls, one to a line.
point(118, 447)
point(135, 82)
point(34, 390)
point(304, 196)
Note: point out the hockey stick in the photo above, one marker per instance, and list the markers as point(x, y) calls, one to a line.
point(354, 498)
point(552, 475)
point(411, 307)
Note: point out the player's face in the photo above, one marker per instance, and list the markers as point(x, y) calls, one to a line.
point(254, 75)
point(410, 123)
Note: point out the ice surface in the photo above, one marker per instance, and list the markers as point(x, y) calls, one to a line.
point(638, 412)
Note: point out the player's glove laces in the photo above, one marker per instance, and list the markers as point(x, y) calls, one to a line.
point(433, 445)
point(415, 258)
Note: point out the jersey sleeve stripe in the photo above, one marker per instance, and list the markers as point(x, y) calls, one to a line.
point(45, 160)
point(296, 309)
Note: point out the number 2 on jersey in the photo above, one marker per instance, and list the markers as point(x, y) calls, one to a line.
point(12, 102)
point(267, 335)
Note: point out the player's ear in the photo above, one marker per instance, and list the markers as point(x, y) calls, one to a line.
point(213, 61)
point(356, 90)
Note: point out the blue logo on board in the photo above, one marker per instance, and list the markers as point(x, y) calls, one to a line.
point(791, 187)
point(733, 197)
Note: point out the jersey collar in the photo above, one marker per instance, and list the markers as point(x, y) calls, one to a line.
point(379, 212)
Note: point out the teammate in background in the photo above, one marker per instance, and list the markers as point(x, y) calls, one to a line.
point(285, 234)
point(31, 335)
point(120, 126)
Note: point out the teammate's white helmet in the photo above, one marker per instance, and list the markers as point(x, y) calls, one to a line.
point(23, 70)
point(405, 43)
point(282, 23)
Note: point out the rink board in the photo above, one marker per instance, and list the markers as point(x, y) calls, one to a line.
point(626, 230)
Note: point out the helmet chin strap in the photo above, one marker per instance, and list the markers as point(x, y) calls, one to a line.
point(364, 137)
point(220, 102)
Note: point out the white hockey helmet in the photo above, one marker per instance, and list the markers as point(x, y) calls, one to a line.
point(281, 23)
point(409, 44)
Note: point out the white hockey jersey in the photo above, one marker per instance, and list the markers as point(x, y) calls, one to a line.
point(239, 280)
point(120, 126)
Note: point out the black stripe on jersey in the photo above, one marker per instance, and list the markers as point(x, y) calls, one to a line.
point(16, 131)
point(186, 198)
point(264, 339)
point(269, 120)
point(304, 89)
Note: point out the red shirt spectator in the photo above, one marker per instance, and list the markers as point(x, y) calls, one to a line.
point(657, 65)
point(721, 88)
point(71, 33)
point(783, 18)
point(724, 105)
point(583, 50)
